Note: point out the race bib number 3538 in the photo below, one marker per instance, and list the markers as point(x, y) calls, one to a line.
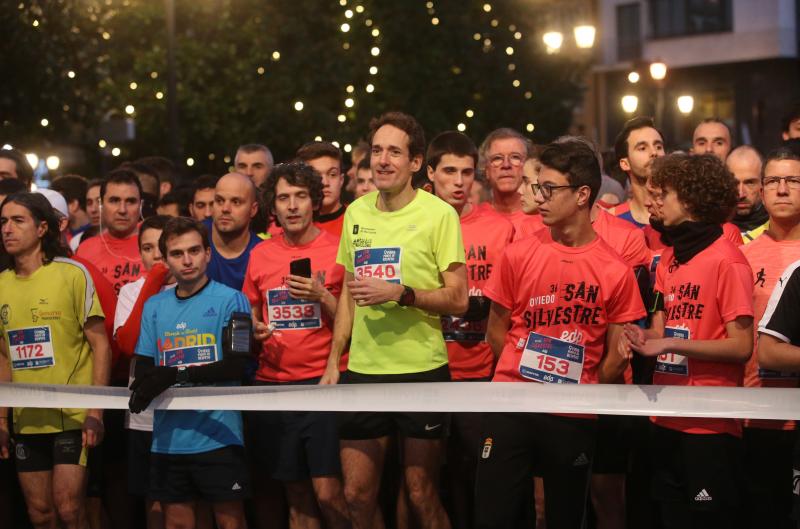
point(31, 347)
point(288, 313)
point(549, 360)
point(381, 263)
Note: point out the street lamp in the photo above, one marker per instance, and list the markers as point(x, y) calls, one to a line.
point(633, 77)
point(658, 70)
point(629, 103)
point(53, 162)
point(685, 104)
point(33, 159)
point(553, 40)
point(584, 36)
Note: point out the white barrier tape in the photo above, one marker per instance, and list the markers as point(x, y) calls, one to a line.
point(671, 401)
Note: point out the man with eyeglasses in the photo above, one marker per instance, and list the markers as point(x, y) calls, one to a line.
point(503, 154)
point(559, 302)
point(768, 444)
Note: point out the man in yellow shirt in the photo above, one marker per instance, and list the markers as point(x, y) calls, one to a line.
point(404, 261)
point(51, 332)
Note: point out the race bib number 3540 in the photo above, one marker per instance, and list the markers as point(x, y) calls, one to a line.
point(381, 263)
point(31, 347)
point(552, 361)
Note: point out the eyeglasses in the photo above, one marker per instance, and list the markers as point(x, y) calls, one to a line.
point(547, 189)
point(514, 159)
point(773, 182)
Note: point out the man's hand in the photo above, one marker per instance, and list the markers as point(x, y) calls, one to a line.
point(93, 429)
point(306, 288)
point(5, 438)
point(331, 376)
point(372, 291)
point(261, 331)
point(152, 384)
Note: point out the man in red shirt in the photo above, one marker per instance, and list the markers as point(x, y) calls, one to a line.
point(637, 146)
point(701, 335)
point(504, 152)
point(326, 159)
point(116, 251)
point(451, 160)
point(293, 317)
point(559, 302)
point(768, 444)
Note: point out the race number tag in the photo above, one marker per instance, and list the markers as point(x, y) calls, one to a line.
point(551, 361)
point(457, 330)
point(381, 263)
point(195, 355)
point(288, 313)
point(31, 348)
point(672, 363)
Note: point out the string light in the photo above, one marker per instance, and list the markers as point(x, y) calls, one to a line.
point(375, 32)
point(133, 86)
point(348, 147)
point(368, 22)
point(349, 102)
point(36, 23)
point(153, 75)
point(342, 3)
point(276, 55)
point(512, 67)
point(517, 35)
point(298, 105)
point(102, 144)
point(190, 161)
point(227, 159)
point(435, 21)
point(260, 70)
point(345, 27)
point(115, 151)
point(350, 89)
point(348, 14)
point(461, 127)
point(71, 74)
point(487, 7)
point(373, 70)
point(375, 51)
point(529, 127)
point(342, 118)
point(106, 35)
point(44, 122)
point(528, 95)
point(317, 138)
point(212, 156)
point(370, 88)
point(495, 22)
point(509, 50)
point(477, 36)
point(335, 144)
point(469, 113)
point(159, 95)
point(130, 109)
point(516, 83)
point(359, 9)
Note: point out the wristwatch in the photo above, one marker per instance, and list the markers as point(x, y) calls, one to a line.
point(182, 377)
point(407, 298)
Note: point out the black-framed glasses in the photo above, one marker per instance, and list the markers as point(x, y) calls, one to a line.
point(773, 182)
point(546, 189)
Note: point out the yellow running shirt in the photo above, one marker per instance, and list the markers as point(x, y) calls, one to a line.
point(41, 320)
point(410, 246)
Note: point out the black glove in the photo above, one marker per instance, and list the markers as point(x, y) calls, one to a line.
point(150, 385)
point(478, 309)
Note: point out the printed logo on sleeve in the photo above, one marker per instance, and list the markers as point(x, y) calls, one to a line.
point(552, 361)
point(31, 347)
point(381, 263)
point(673, 363)
point(288, 313)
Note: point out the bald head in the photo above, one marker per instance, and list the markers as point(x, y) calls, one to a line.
point(235, 204)
point(745, 164)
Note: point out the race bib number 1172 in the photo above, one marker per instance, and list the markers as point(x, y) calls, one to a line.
point(31, 347)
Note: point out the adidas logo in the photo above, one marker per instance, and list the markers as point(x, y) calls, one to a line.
point(236, 486)
point(703, 495)
point(580, 460)
point(210, 312)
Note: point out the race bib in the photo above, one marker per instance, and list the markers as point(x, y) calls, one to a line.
point(288, 313)
point(769, 374)
point(195, 355)
point(31, 348)
point(457, 330)
point(552, 361)
point(381, 263)
point(672, 363)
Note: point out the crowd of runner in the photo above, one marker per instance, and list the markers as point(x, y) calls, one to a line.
point(424, 262)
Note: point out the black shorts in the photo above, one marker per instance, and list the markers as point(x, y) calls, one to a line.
point(41, 452)
point(696, 478)
point(613, 448)
point(417, 425)
point(561, 448)
point(294, 445)
point(139, 444)
point(215, 476)
point(95, 472)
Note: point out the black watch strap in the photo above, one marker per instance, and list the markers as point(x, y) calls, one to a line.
point(408, 297)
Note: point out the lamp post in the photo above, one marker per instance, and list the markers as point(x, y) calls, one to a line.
point(173, 134)
point(658, 72)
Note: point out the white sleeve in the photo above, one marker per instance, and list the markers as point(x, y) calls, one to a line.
point(127, 299)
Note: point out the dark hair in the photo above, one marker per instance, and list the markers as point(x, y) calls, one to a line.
point(94, 182)
point(780, 154)
point(364, 164)
point(318, 149)
point(793, 144)
point(41, 211)
point(621, 142)
point(163, 168)
point(177, 226)
point(206, 181)
point(120, 176)
point(450, 142)
point(503, 133)
point(23, 168)
point(406, 123)
point(9, 186)
point(791, 115)
point(156, 222)
point(702, 182)
point(576, 158)
point(73, 187)
point(249, 148)
point(142, 171)
point(296, 174)
point(719, 121)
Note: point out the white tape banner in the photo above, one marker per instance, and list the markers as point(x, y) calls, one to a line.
point(674, 401)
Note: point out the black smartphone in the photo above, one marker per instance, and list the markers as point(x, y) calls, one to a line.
point(241, 328)
point(300, 267)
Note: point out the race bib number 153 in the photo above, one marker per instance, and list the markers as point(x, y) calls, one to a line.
point(549, 360)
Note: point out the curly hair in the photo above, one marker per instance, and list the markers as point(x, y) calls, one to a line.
point(703, 184)
point(296, 174)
